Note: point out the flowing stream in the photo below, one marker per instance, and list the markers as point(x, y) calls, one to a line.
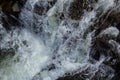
point(47, 47)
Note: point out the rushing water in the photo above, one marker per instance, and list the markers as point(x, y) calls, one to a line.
point(46, 47)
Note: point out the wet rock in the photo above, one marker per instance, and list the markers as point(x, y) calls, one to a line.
point(117, 76)
point(110, 18)
point(77, 8)
point(104, 43)
point(42, 7)
point(10, 12)
point(90, 73)
point(70, 77)
point(6, 54)
point(101, 43)
point(12, 6)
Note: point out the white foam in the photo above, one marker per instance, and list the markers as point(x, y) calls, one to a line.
point(32, 59)
point(111, 31)
point(106, 4)
point(34, 55)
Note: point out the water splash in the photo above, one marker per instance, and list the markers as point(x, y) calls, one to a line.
point(45, 41)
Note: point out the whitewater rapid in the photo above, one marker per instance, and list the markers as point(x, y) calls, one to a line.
point(36, 51)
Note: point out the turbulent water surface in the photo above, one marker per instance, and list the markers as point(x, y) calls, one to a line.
point(51, 42)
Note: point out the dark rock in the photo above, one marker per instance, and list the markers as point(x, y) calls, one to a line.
point(42, 7)
point(76, 77)
point(77, 8)
point(6, 54)
point(110, 18)
point(12, 7)
point(101, 46)
point(116, 77)
point(11, 10)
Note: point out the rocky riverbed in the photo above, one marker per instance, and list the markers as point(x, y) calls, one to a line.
point(59, 39)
